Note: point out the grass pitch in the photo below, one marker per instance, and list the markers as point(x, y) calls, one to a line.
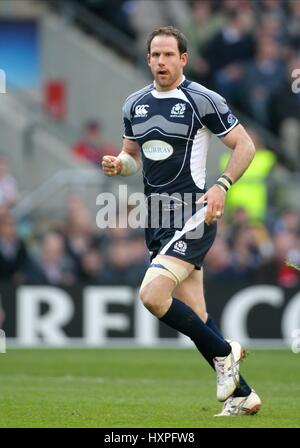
point(132, 388)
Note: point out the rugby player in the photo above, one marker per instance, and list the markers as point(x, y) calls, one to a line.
point(168, 125)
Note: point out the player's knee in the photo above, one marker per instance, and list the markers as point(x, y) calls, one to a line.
point(153, 300)
point(145, 296)
point(156, 289)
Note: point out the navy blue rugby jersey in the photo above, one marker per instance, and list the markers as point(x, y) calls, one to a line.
point(173, 129)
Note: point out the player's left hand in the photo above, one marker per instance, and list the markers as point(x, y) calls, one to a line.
point(215, 199)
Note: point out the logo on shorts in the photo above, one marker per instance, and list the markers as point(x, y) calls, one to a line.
point(141, 110)
point(230, 119)
point(178, 110)
point(180, 247)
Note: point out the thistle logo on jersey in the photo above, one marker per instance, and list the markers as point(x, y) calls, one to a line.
point(157, 150)
point(178, 110)
point(180, 247)
point(141, 110)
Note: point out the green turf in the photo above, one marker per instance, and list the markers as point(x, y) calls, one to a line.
point(132, 388)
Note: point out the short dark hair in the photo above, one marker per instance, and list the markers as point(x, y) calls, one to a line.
point(169, 31)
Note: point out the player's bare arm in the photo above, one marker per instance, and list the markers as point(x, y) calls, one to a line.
point(126, 163)
point(243, 152)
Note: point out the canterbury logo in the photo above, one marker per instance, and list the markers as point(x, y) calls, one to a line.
point(141, 110)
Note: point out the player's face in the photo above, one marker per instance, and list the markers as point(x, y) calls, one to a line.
point(165, 62)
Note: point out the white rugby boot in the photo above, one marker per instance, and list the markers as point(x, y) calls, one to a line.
point(235, 406)
point(228, 371)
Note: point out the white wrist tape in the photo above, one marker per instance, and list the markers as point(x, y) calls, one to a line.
point(129, 164)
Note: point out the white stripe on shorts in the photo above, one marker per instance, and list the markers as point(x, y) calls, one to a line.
point(191, 224)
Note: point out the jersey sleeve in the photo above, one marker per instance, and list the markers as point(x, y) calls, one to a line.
point(214, 113)
point(128, 133)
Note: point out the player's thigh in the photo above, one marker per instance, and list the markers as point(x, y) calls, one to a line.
point(191, 292)
point(162, 276)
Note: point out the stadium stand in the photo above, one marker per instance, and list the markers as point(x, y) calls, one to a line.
point(99, 69)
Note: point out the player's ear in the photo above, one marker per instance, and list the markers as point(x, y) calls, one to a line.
point(148, 58)
point(184, 59)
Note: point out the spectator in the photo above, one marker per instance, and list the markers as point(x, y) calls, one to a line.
point(115, 12)
point(125, 264)
point(262, 77)
point(286, 247)
point(13, 253)
point(150, 14)
point(52, 267)
point(9, 194)
point(92, 147)
point(4, 212)
point(271, 7)
point(245, 258)
point(288, 221)
point(79, 234)
point(271, 26)
point(199, 31)
point(226, 52)
point(217, 261)
point(91, 266)
point(229, 6)
point(284, 112)
point(260, 233)
point(240, 218)
point(293, 24)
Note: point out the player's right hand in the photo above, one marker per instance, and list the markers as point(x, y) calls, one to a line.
point(215, 199)
point(111, 165)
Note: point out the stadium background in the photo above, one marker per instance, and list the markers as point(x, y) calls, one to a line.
point(66, 283)
point(69, 66)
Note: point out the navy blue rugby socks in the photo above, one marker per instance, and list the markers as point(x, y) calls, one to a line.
point(206, 336)
point(182, 318)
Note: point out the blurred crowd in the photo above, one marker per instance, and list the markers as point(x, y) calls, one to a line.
point(254, 253)
point(247, 50)
point(73, 251)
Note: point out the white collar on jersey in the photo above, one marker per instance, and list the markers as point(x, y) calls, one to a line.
point(166, 93)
